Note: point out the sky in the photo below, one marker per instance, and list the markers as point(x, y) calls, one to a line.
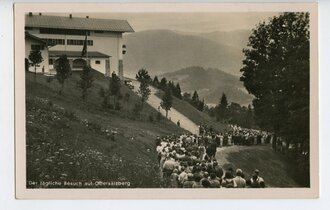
point(186, 22)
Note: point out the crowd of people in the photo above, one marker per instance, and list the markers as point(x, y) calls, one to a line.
point(236, 135)
point(188, 161)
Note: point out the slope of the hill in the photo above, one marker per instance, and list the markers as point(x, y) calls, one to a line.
point(161, 51)
point(210, 84)
point(72, 140)
point(196, 116)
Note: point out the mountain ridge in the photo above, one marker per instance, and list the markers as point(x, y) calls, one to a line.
point(210, 83)
point(162, 51)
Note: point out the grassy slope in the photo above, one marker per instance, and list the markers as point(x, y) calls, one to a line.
point(275, 168)
point(193, 114)
point(58, 136)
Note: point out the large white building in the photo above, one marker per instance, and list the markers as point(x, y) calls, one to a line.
point(66, 35)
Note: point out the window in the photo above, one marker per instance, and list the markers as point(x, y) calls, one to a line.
point(97, 62)
point(51, 61)
point(63, 31)
point(54, 41)
point(37, 47)
point(79, 42)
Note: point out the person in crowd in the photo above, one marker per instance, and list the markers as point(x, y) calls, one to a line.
point(189, 182)
point(197, 183)
point(256, 180)
point(214, 181)
point(169, 166)
point(217, 169)
point(239, 180)
point(175, 179)
point(228, 181)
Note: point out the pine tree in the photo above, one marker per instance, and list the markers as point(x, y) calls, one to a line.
point(195, 99)
point(167, 100)
point(178, 91)
point(63, 70)
point(163, 83)
point(86, 80)
point(223, 108)
point(155, 82)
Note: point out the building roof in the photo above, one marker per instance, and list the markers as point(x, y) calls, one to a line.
point(90, 54)
point(79, 23)
point(30, 36)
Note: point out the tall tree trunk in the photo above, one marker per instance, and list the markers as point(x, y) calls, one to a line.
point(166, 113)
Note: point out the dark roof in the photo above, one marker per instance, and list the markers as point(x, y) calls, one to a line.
point(30, 36)
point(91, 54)
point(62, 22)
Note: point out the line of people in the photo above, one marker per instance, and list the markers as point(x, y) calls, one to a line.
point(188, 161)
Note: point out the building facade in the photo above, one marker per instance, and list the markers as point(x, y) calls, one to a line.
point(67, 35)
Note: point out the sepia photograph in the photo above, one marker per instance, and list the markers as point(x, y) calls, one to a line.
point(167, 99)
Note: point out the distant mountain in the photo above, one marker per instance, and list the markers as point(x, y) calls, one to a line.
point(210, 84)
point(162, 51)
point(237, 39)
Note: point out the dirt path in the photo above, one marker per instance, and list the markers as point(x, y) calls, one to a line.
point(173, 114)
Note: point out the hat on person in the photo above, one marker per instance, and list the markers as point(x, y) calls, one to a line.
point(256, 171)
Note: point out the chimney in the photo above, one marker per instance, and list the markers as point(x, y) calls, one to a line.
point(70, 15)
point(40, 13)
point(87, 16)
point(30, 14)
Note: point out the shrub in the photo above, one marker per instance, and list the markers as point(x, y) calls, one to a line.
point(137, 109)
point(151, 118)
point(158, 116)
point(49, 79)
point(117, 106)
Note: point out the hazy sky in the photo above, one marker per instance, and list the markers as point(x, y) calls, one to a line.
point(187, 22)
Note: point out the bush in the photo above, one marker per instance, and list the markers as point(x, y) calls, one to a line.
point(102, 92)
point(49, 79)
point(70, 115)
point(137, 109)
point(151, 118)
point(117, 106)
point(158, 116)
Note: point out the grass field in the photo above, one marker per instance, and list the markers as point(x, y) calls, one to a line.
point(68, 139)
point(275, 168)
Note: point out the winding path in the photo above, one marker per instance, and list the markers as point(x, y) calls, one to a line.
point(173, 114)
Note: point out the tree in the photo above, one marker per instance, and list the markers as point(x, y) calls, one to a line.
point(155, 82)
point(167, 100)
point(201, 105)
point(114, 87)
point(86, 80)
point(163, 83)
point(144, 91)
point(143, 75)
point(35, 58)
point(187, 97)
point(223, 108)
point(276, 71)
point(63, 70)
point(177, 91)
point(195, 99)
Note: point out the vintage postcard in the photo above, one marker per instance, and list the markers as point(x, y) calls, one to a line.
point(166, 101)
